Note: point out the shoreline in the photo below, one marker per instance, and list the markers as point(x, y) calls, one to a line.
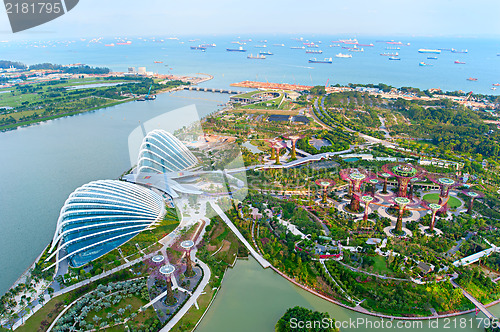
point(375, 314)
point(76, 112)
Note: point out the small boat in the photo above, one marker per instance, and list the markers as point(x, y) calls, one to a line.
point(394, 58)
point(493, 88)
point(325, 60)
point(459, 62)
point(340, 55)
point(473, 79)
point(432, 57)
point(424, 64)
point(260, 57)
point(239, 49)
point(314, 51)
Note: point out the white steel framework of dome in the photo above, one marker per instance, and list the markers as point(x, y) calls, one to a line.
point(102, 215)
point(162, 152)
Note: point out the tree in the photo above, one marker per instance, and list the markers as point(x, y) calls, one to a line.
point(309, 321)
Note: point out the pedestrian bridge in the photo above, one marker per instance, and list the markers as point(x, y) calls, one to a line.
point(197, 88)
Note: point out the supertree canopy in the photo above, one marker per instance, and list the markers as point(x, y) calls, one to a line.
point(324, 184)
point(385, 176)
point(403, 173)
point(355, 177)
point(445, 183)
point(294, 139)
point(472, 194)
point(402, 202)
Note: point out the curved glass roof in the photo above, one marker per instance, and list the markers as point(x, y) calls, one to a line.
point(102, 215)
point(162, 152)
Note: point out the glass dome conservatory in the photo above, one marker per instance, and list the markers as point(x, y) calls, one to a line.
point(162, 152)
point(102, 215)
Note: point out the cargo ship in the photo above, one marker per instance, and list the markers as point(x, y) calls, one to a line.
point(265, 53)
point(125, 43)
point(390, 54)
point(473, 79)
point(158, 61)
point(432, 57)
point(424, 64)
point(392, 48)
point(260, 57)
point(201, 48)
point(261, 46)
point(110, 45)
point(298, 47)
point(314, 51)
point(425, 50)
point(335, 45)
point(392, 42)
point(278, 44)
point(239, 49)
point(207, 45)
point(459, 62)
point(325, 60)
point(394, 58)
point(496, 84)
point(340, 55)
point(457, 51)
point(355, 49)
point(366, 45)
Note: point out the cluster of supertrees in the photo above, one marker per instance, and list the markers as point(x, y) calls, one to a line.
point(406, 176)
point(166, 271)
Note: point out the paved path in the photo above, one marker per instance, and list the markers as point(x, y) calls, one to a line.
point(255, 254)
point(192, 300)
point(478, 304)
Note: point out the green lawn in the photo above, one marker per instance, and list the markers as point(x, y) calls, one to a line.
point(380, 266)
point(453, 202)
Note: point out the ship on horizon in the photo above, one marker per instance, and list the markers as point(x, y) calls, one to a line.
point(239, 49)
point(340, 55)
point(425, 50)
point(259, 56)
point(314, 51)
point(325, 60)
point(390, 54)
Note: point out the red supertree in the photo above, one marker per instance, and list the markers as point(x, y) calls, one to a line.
point(472, 194)
point(403, 173)
point(434, 209)
point(445, 183)
point(276, 146)
point(324, 183)
point(294, 139)
point(355, 177)
point(385, 176)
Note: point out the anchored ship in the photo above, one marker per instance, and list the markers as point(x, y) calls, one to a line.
point(424, 50)
point(325, 60)
point(340, 55)
point(260, 56)
point(239, 49)
point(314, 51)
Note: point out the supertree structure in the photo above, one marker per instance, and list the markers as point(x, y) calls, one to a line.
point(355, 177)
point(187, 246)
point(167, 271)
point(472, 194)
point(445, 185)
point(367, 199)
point(324, 184)
point(276, 146)
point(403, 173)
point(434, 208)
point(412, 186)
point(374, 183)
point(294, 139)
point(402, 202)
point(385, 176)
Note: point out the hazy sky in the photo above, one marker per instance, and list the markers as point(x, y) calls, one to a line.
point(195, 17)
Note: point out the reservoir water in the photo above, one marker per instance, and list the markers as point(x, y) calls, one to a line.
point(254, 299)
